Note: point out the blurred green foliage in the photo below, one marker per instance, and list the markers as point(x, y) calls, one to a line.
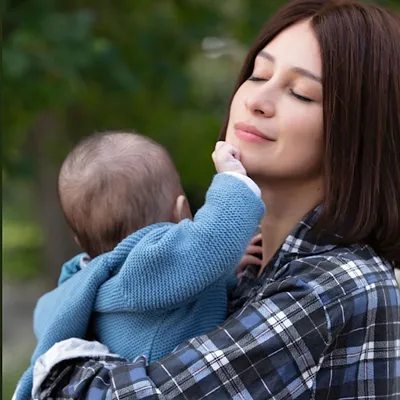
point(22, 236)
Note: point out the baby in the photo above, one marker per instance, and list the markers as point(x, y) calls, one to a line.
point(154, 277)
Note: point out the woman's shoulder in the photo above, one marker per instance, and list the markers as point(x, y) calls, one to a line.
point(343, 271)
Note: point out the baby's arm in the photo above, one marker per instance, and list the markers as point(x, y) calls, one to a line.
point(174, 263)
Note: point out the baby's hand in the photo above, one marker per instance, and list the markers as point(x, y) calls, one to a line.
point(227, 158)
point(253, 249)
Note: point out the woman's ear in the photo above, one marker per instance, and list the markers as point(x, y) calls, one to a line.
point(77, 241)
point(181, 209)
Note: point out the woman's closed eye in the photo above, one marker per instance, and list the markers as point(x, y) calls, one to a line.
point(257, 79)
point(299, 97)
point(294, 94)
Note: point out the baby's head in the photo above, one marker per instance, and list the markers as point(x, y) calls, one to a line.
point(115, 183)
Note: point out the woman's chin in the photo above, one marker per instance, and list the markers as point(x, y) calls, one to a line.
point(252, 164)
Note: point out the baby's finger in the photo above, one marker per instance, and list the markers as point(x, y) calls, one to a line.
point(219, 144)
point(232, 150)
point(248, 260)
point(256, 238)
point(253, 260)
point(254, 249)
point(235, 152)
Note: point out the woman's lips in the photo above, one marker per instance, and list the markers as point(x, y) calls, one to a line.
point(250, 133)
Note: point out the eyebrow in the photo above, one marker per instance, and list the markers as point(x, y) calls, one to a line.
point(297, 70)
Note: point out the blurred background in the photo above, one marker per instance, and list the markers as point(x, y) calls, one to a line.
point(165, 68)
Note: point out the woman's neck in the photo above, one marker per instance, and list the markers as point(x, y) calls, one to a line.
point(286, 206)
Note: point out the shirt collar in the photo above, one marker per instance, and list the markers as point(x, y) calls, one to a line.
point(302, 240)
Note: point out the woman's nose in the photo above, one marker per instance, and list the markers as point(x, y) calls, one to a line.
point(259, 104)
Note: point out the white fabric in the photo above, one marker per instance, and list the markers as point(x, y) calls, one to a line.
point(65, 350)
point(248, 181)
point(397, 274)
point(84, 260)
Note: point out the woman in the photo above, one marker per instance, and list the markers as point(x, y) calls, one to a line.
point(316, 115)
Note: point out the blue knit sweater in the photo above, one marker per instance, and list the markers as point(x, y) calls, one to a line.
point(161, 285)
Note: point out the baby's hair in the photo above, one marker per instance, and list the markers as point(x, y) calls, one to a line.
point(113, 184)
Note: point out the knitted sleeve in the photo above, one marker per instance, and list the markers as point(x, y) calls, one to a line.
point(174, 263)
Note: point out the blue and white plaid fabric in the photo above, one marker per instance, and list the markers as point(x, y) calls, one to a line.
point(321, 322)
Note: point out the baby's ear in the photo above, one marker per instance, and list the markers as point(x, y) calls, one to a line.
point(181, 209)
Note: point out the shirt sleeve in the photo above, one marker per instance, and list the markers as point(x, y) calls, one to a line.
point(175, 263)
point(270, 348)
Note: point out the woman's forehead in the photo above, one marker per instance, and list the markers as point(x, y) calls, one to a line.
point(295, 46)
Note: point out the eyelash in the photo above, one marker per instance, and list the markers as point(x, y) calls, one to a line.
point(255, 79)
point(297, 96)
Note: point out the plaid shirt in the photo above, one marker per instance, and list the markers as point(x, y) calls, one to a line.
point(321, 322)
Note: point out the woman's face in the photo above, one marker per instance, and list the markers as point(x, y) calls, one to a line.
point(276, 115)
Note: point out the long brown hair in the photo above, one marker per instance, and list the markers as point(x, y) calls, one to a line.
point(360, 50)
